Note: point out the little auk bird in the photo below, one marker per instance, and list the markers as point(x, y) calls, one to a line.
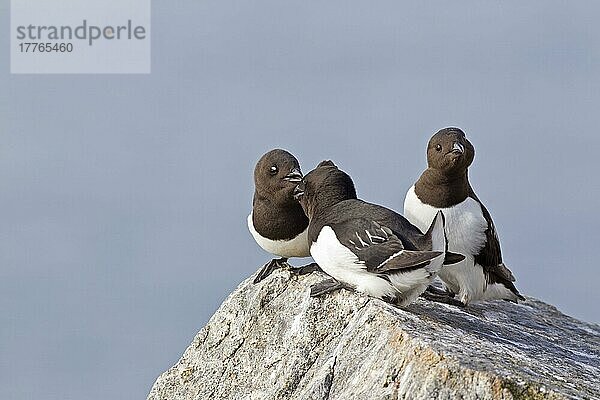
point(277, 221)
point(445, 186)
point(363, 246)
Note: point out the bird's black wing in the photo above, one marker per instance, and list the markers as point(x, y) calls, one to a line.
point(490, 255)
point(378, 247)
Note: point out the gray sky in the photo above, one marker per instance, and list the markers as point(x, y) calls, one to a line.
point(123, 199)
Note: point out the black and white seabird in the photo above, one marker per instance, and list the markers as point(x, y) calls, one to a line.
point(277, 221)
point(445, 186)
point(366, 247)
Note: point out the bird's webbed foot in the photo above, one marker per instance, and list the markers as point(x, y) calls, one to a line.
point(269, 267)
point(326, 286)
point(306, 269)
point(441, 296)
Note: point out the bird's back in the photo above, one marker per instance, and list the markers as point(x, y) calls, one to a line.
point(350, 209)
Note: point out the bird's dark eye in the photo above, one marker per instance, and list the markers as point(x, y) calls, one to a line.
point(273, 170)
point(438, 147)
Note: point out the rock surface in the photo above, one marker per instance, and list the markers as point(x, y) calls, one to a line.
point(273, 341)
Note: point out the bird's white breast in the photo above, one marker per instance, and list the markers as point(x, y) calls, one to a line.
point(296, 247)
point(465, 223)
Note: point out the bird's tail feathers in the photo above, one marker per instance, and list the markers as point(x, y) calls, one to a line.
point(436, 234)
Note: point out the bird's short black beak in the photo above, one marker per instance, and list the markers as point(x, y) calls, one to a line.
point(457, 148)
point(294, 176)
point(298, 192)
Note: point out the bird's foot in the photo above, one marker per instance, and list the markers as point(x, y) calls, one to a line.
point(446, 298)
point(326, 286)
point(440, 292)
point(305, 269)
point(269, 267)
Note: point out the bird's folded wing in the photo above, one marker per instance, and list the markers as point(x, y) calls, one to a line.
point(379, 248)
point(407, 259)
point(490, 255)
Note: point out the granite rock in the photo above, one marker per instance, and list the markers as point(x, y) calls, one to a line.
point(273, 341)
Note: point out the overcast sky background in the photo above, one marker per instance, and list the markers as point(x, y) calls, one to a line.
point(123, 199)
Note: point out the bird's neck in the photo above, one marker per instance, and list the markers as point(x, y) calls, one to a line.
point(276, 221)
point(325, 200)
point(442, 189)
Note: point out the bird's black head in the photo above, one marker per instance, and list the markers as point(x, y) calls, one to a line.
point(276, 175)
point(323, 187)
point(449, 151)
